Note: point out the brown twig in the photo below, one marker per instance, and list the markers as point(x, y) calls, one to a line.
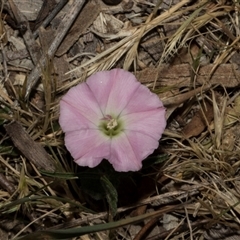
point(33, 151)
point(51, 16)
point(85, 19)
point(142, 233)
point(60, 34)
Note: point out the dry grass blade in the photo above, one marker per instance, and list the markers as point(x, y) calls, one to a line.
point(218, 119)
point(132, 53)
point(174, 41)
point(108, 58)
point(188, 51)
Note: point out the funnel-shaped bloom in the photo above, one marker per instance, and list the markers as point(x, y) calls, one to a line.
point(111, 116)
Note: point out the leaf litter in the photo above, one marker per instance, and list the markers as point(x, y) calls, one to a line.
point(184, 51)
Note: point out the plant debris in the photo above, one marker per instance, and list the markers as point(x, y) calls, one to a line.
point(187, 52)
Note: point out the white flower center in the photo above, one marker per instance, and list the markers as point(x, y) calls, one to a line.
point(111, 126)
point(112, 123)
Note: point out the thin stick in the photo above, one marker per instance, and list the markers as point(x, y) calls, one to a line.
point(51, 16)
point(61, 32)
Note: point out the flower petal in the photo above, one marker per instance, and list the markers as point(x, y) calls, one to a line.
point(116, 93)
point(128, 151)
point(88, 147)
point(123, 157)
point(71, 119)
point(79, 109)
point(151, 123)
point(113, 89)
point(142, 100)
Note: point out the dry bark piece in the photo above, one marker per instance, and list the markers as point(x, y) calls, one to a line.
point(32, 46)
point(198, 122)
point(152, 44)
point(29, 8)
point(61, 66)
point(16, 55)
point(84, 20)
point(226, 75)
point(60, 34)
point(45, 38)
point(51, 15)
point(33, 151)
point(181, 98)
point(46, 8)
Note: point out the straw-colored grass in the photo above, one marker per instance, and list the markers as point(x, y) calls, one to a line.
point(194, 178)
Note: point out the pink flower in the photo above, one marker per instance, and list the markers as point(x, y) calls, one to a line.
point(111, 116)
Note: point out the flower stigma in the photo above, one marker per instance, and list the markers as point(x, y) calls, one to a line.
point(111, 126)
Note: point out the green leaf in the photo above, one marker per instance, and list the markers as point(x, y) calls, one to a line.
point(111, 194)
point(76, 232)
point(61, 175)
point(91, 184)
point(7, 150)
point(155, 160)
